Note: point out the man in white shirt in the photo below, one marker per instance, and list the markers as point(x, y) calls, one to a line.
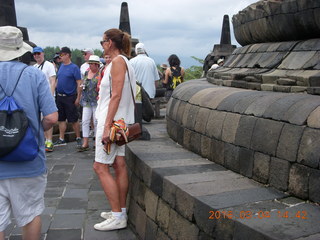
point(145, 69)
point(87, 52)
point(49, 71)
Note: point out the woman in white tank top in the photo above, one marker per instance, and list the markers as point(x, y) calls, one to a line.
point(115, 102)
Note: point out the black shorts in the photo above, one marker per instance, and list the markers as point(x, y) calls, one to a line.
point(67, 109)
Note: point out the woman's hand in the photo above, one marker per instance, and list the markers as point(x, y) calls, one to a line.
point(106, 135)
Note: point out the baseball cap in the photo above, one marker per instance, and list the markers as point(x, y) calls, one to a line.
point(65, 50)
point(37, 49)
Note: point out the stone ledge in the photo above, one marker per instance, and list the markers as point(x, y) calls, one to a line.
point(177, 194)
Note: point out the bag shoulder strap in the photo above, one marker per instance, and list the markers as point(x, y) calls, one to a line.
point(15, 84)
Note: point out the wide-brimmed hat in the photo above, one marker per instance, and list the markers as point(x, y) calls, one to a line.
point(11, 43)
point(89, 50)
point(94, 59)
point(164, 66)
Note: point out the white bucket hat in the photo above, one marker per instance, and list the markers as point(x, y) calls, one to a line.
point(94, 59)
point(11, 43)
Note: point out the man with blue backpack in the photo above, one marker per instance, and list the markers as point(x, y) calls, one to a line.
point(24, 96)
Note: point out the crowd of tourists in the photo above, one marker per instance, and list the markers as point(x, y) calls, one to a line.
point(101, 87)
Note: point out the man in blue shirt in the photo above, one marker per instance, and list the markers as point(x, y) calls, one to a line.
point(22, 184)
point(68, 96)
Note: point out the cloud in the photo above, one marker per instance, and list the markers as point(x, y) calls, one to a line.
point(187, 28)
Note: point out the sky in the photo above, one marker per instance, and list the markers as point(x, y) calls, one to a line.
point(183, 27)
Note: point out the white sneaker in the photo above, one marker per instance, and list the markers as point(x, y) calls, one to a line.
point(111, 223)
point(107, 215)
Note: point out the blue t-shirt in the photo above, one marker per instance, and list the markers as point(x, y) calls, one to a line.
point(33, 95)
point(67, 79)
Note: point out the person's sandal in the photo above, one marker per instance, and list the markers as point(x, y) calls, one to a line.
point(83, 149)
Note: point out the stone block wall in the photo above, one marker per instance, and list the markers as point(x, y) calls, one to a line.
point(271, 137)
point(292, 66)
point(277, 20)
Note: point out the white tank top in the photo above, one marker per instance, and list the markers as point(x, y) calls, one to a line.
point(126, 105)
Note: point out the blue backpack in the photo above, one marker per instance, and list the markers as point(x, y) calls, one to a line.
point(17, 141)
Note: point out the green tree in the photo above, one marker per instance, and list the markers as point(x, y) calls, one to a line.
point(194, 72)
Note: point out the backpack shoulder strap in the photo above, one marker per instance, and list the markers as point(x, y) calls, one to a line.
point(16, 83)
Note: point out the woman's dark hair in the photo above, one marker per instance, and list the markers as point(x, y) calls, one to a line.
point(174, 61)
point(121, 39)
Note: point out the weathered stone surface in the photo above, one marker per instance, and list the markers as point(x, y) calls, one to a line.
point(267, 87)
point(224, 200)
point(180, 112)
point(179, 228)
point(279, 107)
point(172, 129)
point(230, 126)
point(309, 150)
point(218, 97)
point(298, 181)
point(299, 112)
point(215, 124)
point(201, 120)
point(296, 60)
point(191, 118)
point(279, 88)
point(289, 142)
point(169, 192)
point(228, 103)
point(279, 173)
point(245, 131)
point(217, 151)
point(163, 215)
point(266, 135)
point(184, 204)
point(243, 103)
point(195, 142)
point(205, 146)
point(287, 227)
point(151, 229)
point(261, 167)
point(246, 159)
point(286, 81)
point(231, 157)
point(151, 203)
point(187, 109)
point(197, 99)
point(313, 120)
point(314, 186)
point(141, 222)
point(187, 134)
point(173, 108)
point(258, 107)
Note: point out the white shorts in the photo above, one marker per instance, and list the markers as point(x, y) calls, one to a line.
point(100, 155)
point(23, 197)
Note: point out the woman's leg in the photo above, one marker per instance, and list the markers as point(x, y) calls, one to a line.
point(86, 118)
point(122, 180)
point(109, 185)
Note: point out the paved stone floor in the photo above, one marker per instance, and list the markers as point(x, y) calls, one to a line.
point(73, 200)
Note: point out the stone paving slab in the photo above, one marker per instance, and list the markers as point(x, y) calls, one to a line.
point(73, 199)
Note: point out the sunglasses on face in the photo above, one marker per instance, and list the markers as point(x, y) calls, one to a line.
point(103, 41)
point(36, 53)
point(62, 54)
